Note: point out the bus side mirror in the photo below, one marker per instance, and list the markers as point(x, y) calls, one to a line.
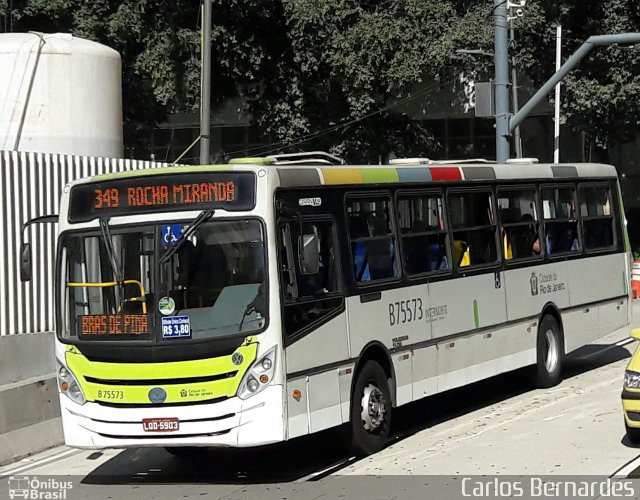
point(25, 262)
point(308, 254)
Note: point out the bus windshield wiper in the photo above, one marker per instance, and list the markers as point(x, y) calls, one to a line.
point(111, 254)
point(204, 216)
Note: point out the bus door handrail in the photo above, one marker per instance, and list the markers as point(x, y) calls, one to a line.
point(141, 298)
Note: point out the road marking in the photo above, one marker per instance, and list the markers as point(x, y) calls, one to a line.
point(553, 418)
point(326, 471)
point(624, 342)
point(627, 469)
point(43, 461)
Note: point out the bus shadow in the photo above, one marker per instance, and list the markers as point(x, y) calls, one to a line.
point(282, 462)
point(426, 413)
point(593, 356)
point(314, 457)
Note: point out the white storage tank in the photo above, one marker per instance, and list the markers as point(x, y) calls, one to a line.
point(59, 94)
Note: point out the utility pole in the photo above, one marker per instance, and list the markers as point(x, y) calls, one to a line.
point(556, 121)
point(517, 141)
point(501, 81)
point(572, 62)
point(205, 85)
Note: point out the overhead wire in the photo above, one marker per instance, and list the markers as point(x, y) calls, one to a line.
point(264, 150)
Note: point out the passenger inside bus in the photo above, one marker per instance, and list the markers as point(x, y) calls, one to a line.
point(521, 241)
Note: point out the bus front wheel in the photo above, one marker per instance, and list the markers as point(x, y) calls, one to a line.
point(370, 410)
point(549, 353)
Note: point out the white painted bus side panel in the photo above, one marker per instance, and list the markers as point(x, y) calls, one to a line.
point(324, 400)
point(345, 379)
point(297, 409)
point(530, 289)
point(404, 387)
point(580, 327)
point(612, 315)
point(456, 304)
point(484, 370)
point(478, 356)
point(596, 278)
point(325, 345)
point(384, 321)
point(424, 371)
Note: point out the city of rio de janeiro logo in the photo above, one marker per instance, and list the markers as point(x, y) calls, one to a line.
point(534, 284)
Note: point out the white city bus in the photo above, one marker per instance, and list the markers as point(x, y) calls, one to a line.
point(251, 303)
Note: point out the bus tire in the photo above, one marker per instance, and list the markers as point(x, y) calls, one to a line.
point(549, 351)
point(370, 410)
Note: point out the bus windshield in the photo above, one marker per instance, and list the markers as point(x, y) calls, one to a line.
point(211, 286)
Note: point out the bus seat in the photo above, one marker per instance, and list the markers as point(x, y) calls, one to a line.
point(508, 250)
point(510, 215)
point(435, 255)
point(360, 261)
point(461, 253)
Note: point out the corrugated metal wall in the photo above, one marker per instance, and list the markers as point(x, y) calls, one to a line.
point(30, 186)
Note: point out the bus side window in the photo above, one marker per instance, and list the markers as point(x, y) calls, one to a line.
point(422, 232)
point(597, 217)
point(373, 245)
point(560, 220)
point(473, 228)
point(308, 297)
point(519, 221)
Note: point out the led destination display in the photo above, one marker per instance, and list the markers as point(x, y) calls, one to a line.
point(159, 193)
point(113, 324)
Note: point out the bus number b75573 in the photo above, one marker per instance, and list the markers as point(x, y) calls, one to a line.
point(405, 311)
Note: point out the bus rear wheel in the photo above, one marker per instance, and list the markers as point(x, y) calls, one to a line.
point(548, 366)
point(370, 410)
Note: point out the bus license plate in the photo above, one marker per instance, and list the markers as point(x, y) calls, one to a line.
point(160, 424)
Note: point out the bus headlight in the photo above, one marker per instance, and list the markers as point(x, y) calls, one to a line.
point(258, 376)
point(631, 380)
point(69, 386)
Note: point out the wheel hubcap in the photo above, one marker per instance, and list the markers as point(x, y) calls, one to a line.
point(551, 359)
point(373, 408)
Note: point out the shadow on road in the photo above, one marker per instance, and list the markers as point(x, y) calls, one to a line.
point(301, 457)
point(281, 462)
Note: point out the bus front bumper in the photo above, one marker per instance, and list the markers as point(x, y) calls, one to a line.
point(256, 421)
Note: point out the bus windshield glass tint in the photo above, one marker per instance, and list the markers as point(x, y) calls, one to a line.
point(213, 286)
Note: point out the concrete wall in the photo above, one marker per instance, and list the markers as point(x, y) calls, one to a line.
point(29, 407)
point(31, 186)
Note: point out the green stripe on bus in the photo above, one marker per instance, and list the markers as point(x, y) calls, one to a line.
point(252, 161)
point(374, 175)
point(476, 315)
point(161, 171)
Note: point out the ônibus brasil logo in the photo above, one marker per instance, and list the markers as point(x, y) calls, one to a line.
point(33, 488)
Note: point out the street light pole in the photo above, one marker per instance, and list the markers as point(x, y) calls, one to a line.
point(501, 81)
point(205, 89)
point(569, 64)
point(517, 141)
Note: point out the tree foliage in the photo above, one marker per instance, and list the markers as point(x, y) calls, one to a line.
point(329, 74)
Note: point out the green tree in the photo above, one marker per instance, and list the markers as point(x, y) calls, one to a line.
point(601, 96)
point(351, 62)
point(159, 42)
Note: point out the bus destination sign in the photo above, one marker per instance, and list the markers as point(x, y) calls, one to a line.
point(159, 193)
point(113, 324)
